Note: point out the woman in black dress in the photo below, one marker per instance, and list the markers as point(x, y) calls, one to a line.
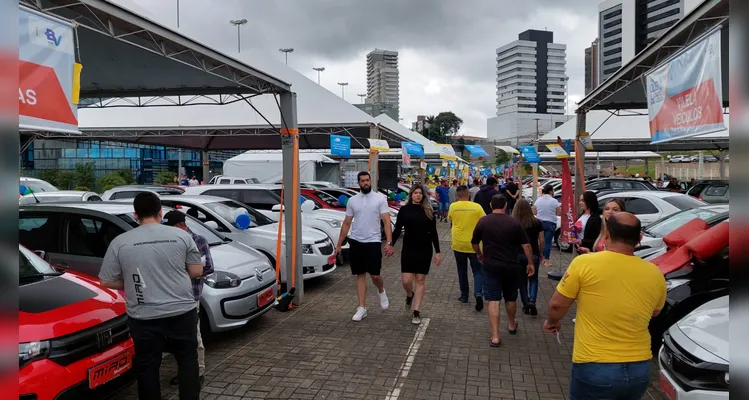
point(418, 220)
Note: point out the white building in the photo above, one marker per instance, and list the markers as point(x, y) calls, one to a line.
point(626, 27)
point(531, 87)
point(382, 79)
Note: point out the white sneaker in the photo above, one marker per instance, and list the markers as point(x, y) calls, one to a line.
point(384, 302)
point(361, 312)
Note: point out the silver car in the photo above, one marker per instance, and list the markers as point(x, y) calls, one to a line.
point(76, 236)
point(60, 196)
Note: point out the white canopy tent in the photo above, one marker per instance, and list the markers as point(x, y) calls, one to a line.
point(266, 166)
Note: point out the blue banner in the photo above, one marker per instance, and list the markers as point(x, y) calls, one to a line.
point(430, 169)
point(530, 155)
point(413, 149)
point(476, 150)
point(340, 146)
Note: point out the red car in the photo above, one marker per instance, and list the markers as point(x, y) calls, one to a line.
point(322, 199)
point(74, 342)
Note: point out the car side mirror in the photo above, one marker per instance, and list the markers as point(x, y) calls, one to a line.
point(276, 208)
point(42, 254)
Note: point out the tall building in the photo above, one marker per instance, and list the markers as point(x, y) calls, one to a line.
point(382, 79)
point(377, 109)
point(591, 67)
point(626, 27)
point(531, 87)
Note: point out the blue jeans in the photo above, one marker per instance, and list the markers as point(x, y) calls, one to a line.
point(609, 381)
point(461, 260)
point(550, 229)
point(528, 284)
point(444, 207)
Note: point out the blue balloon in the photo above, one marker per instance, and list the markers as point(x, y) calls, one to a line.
point(23, 189)
point(242, 221)
point(399, 197)
point(301, 199)
point(342, 199)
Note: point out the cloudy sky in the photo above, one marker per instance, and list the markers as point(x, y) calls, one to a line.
point(447, 47)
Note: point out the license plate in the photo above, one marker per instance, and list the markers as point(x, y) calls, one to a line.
point(265, 297)
point(109, 369)
point(667, 388)
point(331, 259)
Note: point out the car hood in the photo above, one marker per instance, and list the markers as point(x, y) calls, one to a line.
point(65, 304)
point(327, 213)
point(237, 258)
point(707, 330)
point(309, 236)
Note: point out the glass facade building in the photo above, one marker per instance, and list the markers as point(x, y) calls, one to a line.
point(145, 161)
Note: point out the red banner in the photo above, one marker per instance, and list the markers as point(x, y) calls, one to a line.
point(568, 203)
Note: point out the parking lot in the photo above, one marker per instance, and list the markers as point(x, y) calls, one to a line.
point(317, 352)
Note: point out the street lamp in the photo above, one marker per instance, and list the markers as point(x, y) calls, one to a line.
point(318, 69)
point(343, 85)
point(286, 52)
point(362, 95)
point(238, 23)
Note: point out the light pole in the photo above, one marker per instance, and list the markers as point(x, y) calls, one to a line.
point(362, 95)
point(535, 166)
point(238, 23)
point(343, 85)
point(566, 95)
point(286, 52)
point(318, 69)
point(177, 13)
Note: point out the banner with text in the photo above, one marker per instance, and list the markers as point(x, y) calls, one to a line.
point(569, 216)
point(685, 95)
point(340, 146)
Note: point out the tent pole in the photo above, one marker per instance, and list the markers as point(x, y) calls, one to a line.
point(374, 133)
point(292, 194)
point(579, 156)
point(722, 156)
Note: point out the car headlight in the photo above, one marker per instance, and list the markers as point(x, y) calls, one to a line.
point(674, 283)
point(307, 249)
point(222, 280)
point(332, 222)
point(32, 351)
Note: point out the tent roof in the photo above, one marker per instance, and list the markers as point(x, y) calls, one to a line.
point(591, 156)
point(611, 132)
point(277, 156)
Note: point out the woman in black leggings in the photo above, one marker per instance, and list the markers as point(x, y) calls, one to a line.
point(420, 224)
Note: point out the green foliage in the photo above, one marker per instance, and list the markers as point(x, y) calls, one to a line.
point(501, 157)
point(65, 180)
point(84, 175)
point(439, 128)
point(126, 175)
point(50, 175)
point(165, 178)
point(109, 181)
point(83, 188)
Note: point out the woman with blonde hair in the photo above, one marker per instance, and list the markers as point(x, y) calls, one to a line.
point(535, 230)
point(611, 207)
point(419, 223)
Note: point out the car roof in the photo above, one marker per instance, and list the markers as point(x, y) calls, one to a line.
point(70, 193)
point(100, 206)
point(256, 186)
point(28, 178)
point(194, 199)
point(643, 193)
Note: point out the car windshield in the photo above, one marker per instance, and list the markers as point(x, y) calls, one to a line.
point(39, 186)
point(669, 224)
point(193, 225)
point(684, 202)
point(332, 201)
point(226, 209)
point(29, 264)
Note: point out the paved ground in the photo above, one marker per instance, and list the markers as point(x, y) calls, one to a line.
point(317, 352)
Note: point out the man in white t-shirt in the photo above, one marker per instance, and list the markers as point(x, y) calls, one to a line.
point(547, 209)
point(363, 215)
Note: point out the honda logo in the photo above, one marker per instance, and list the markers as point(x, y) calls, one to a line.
point(104, 338)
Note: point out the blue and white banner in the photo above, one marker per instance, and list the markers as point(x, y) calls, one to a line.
point(413, 149)
point(476, 150)
point(340, 146)
point(530, 154)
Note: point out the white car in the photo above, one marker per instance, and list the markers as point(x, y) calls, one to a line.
point(653, 234)
point(651, 205)
point(37, 185)
point(130, 191)
point(318, 251)
point(60, 196)
point(231, 180)
point(694, 358)
point(321, 184)
point(556, 183)
point(679, 159)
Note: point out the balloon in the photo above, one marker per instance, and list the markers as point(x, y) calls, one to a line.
point(301, 199)
point(28, 191)
point(342, 199)
point(242, 221)
point(391, 196)
point(398, 197)
point(345, 201)
point(23, 189)
point(308, 206)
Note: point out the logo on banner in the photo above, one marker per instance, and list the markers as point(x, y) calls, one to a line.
point(340, 146)
point(52, 38)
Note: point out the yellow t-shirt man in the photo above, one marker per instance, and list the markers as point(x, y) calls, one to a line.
point(616, 297)
point(464, 216)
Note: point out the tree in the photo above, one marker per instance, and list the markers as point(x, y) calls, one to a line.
point(165, 178)
point(439, 128)
point(502, 157)
point(126, 175)
point(109, 181)
point(65, 180)
point(84, 175)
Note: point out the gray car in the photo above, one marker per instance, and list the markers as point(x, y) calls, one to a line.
point(60, 196)
point(711, 191)
point(76, 236)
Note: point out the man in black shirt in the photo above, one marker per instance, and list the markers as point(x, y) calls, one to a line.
point(512, 192)
point(502, 237)
point(484, 196)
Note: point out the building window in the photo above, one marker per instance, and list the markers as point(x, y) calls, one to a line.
point(663, 15)
point(616, 50)
point(612, 33)
point(612, 61)
point(613, 14)
point(612, 23)
point(612, 42)
point(610, 70)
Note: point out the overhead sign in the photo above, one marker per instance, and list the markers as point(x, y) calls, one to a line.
point(508, 149)
point(530, 154)
point(476, 150)
point(46, 70)
point(378, 145)
point(413, 148)
point(685, 95)
point(586, 140)
point(447, 152)
point(557, 151)
point(340, 146)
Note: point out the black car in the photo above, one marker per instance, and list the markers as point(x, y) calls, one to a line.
point(601, 186)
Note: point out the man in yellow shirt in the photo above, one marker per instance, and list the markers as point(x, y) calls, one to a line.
point(617, 294)
point(464, 215)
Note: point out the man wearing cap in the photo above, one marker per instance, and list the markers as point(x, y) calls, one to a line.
point(177, 219)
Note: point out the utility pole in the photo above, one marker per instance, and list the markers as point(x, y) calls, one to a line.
point(535, 165)
point(343, 85)
point(238, 23)
point(286, 52)
point(318, 69)
point(362, 96)
point(177, 13)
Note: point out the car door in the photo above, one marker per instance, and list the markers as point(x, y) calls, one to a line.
point(85, 241)
point(644, 209)
point(39, 230)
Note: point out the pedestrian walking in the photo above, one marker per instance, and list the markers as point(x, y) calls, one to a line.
point(486, 193)
point(588, 225)
point(611, 207)
point(534, 229)
point(512, 192)
point(475, 189)
point(464, 215)
point(617, 294)
point(154, 265)
point(177, 219)
point(364, 212)
point(419, 224)
point(443, 196)
point(501, 236)
point(547, 208)
point(452, 193)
